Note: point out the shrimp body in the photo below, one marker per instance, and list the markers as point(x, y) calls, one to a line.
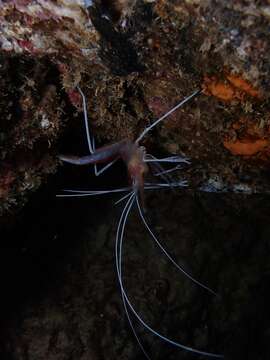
point(131, 153)
point(137, 168)
point(101, 155)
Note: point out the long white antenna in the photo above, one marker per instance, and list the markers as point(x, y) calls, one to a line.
point(167, 114)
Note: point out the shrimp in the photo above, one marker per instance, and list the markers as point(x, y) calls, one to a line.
point(138, 163)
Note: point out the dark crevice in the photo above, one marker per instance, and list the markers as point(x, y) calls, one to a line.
point(117, 52)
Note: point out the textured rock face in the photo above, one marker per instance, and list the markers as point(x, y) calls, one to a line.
point(134, 60)
point(44, 45)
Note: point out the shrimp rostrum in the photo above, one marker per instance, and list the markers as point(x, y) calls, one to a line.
point(138, 163)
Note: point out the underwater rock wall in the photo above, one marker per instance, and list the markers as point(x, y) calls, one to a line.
point(134, 60)
point(44, 45)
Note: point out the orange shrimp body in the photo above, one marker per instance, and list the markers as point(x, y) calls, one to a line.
point(133, 156)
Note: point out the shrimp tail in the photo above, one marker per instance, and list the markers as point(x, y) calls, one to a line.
point(76, 160)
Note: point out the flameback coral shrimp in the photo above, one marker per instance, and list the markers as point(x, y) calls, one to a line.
point(138, 163)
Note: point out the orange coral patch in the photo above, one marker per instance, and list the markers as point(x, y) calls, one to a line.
point(218, 89)
point(243, 85)
point(246, 147)
point(234, 88)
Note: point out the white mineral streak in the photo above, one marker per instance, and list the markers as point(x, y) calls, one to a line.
point(65, 8)
point(217, 185)
point(45, 122)
point(45, 27)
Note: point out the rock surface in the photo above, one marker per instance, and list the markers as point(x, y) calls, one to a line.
point(134, 60)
